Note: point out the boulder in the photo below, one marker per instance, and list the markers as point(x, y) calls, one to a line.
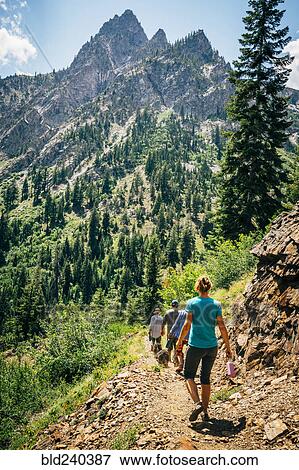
point(274, 429)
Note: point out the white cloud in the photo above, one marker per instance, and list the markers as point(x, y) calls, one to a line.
point(20, 72)
point(3, 5)
point(293, 49)
point(15, 47)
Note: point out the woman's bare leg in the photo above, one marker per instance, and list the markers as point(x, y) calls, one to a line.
point(205, 396)
point(193, 390)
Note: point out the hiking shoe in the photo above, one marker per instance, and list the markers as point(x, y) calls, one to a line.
point(205, 416)
point(196, 412)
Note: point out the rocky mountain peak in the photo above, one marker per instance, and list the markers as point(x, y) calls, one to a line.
point(159, 40)
point(126, 25)
point(198, 46)
point(117, 41)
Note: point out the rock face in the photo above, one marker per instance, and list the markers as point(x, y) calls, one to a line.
point(265, 330)
point(159, 40)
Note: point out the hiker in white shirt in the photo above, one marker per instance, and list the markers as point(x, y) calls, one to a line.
point(155, 328)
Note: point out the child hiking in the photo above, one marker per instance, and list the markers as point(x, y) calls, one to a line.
point(169, 320)
point(175, 333)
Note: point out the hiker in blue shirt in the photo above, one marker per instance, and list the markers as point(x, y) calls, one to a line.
point(203, 314)
point(175, 333)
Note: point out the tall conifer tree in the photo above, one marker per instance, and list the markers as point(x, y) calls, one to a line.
point(93, 234)
point(253, 172)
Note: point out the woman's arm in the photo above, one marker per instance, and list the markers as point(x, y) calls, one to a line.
point(184, 330)
point(224, 335)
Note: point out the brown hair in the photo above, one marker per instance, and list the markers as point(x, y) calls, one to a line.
point(203, 284)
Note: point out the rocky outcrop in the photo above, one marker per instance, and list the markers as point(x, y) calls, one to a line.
point(265, 328)
point(159, 40)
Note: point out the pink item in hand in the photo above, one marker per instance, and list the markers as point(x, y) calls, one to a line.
point(231, 370)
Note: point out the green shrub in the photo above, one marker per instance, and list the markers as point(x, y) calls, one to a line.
point(126, 439)
point(21, 394)
point(229, 261)
point(224, 394)
point(179, 284)
point(76, 342)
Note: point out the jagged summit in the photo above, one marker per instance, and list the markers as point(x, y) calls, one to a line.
point(126, 24)
point(117, 41)
point(159, 39)
point(196, 44)
point(128, 13)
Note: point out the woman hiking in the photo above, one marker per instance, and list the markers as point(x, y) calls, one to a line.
point(203, 314)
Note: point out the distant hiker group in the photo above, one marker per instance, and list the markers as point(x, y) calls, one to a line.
point(173, 321)
point(193, 326)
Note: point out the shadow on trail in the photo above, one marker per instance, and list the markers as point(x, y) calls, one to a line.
point(220, 427)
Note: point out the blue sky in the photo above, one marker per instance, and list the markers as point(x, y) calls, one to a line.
point(61, 27)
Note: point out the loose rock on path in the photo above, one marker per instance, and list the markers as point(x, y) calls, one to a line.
point(255, 411)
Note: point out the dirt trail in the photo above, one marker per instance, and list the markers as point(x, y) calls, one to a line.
point(151, 402)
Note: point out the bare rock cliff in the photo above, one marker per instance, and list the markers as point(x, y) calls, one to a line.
point(265, 327)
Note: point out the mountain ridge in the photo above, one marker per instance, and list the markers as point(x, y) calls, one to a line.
point(111, 55)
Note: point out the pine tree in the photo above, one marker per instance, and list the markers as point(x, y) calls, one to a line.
point(67, 198)
point(161, 225)
point(106, 223)
point(125, 283)
point(30, 309)
point(171, 249)
point(67, 252)
point(106, 187)
point(10, 196)
point(66, 282)
point(218, 142)
point(25, 190)
point(60, 220)
point(37, 182)
point(4, 238)
point(152, 268)
point(87, 281)
point(77, 198)
point(187, 244)
point(253, 171)
point(93, 234)
point(48, 212)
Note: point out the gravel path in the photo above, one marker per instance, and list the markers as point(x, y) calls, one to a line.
point(257, 411)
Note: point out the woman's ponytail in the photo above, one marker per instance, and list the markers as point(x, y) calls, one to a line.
point(203, 284)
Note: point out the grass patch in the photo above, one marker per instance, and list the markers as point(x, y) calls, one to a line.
point(125, 440)
point(72, 396)
point(224, 394)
